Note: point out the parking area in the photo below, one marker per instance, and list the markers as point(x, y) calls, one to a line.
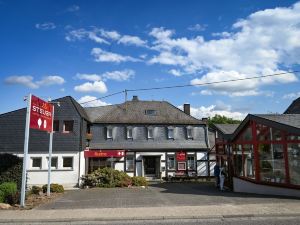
point(160, 194)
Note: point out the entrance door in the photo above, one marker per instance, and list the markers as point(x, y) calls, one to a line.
point(150, 165)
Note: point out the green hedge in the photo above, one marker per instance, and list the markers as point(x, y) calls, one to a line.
point(139, 181)
point(36, 190)
point(54, 188)
point(2, 196)
point(9, 192)
point(11, 169)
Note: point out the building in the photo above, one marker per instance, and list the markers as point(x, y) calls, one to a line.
point(262, 154)
point(143, 138)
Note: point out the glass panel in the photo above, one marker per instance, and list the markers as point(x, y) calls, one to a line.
point(53, 162)
point(109, 132)
point(68, 126)
point(263, 132)
point(294, 163)
point(272, 167)
point(56, 125)
point(171, 133)
point(129, 163)
point(276, 135)
point(189, 133)
point(150, 132)
point(68, 162)
point(191, 162)
point(171, 162)
point(249, 167)
point(247, 134)
point(37, 162)
point(129, 132)
point(293, 137)
point(238, 160)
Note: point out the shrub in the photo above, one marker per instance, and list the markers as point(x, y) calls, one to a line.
point(36, 190)
point(106, 177)
point(9, 193)
point(54, 188)
point(2, 197)
point(139, 181)
point(10, 169)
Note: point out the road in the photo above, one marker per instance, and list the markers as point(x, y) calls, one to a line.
point(223, 221)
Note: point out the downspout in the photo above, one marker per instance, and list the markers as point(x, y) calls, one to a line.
point(208, 145)
point(80, 148)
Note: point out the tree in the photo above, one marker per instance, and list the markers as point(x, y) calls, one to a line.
point(218, 119)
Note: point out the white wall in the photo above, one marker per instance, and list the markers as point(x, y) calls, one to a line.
point(68, 177)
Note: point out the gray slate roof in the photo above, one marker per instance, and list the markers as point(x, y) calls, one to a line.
point(292, 120)
point(294, 108)
point(133, 112)
point(227, 128)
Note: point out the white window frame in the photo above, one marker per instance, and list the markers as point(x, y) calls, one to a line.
point(129, 135)
point(194, 162)
point(64, 126)
point(63, 162)
point(169, 132)
point(187, 132)
point(129, 158)
point(168, 162)
point(150, 130)
point(181, 163)
point(35, 167)
point(109, 132)
point(53, 167)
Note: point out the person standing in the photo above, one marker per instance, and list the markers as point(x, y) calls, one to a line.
point(222, 178)
point(217, 174)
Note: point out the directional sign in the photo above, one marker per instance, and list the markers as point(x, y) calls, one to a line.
point(41, 113)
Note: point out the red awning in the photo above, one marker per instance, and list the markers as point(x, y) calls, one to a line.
point(104, 153)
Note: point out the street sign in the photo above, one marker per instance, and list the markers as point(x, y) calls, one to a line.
point(41, 114)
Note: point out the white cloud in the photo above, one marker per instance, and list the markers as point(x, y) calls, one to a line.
point(119, 75)
point(132, 40)
point(91, 101)
point(82, 34)
point(212, 110)
point(45, 26)
point(197, 27)
point(22, 80)
point(28, 81)
point(176, 73)
point(90, 77)
point(73, 8)
point(96, 86)
point(258, 45)
point(104, 56)
point(291, 95)
point(51, 80)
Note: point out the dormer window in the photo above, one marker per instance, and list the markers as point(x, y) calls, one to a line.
point(170, 132)
point(129, 132)
point(109, 132)
point(150, 112)
point(150, 132)
point(189, 132)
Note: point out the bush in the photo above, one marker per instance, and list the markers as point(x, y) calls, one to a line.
point(9, 193)
point(139, 181)
point(11, 169)
point(2, 197)
point(54, 188)
point(106, 177)
point(36, 190)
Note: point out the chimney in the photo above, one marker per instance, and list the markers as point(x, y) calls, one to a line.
point(187, 109)
point(135, 98)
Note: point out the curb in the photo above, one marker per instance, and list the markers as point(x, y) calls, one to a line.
point(220, 217)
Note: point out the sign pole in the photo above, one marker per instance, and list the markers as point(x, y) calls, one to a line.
point(50, 154)
point(26, 141)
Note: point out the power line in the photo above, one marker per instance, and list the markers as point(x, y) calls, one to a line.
point(190, 85)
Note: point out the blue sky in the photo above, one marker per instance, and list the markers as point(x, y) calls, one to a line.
point(89, 49)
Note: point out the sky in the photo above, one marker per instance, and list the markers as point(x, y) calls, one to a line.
point(91, 49)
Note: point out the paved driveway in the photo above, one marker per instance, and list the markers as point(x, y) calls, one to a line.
point(164, 194)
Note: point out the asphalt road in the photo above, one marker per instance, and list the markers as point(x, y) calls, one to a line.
point(225, 221)
point(158, 195)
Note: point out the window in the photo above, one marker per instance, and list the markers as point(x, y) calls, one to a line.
point(191, 163)
point(129, 132)
point(151, 112)
point(56, 126)
point(171, 162)
point(171, 133)
point(67, 162)
point(294, 162)
point(109, 132)
point(36, 162)
point(272, 166)
point(189, 132)
point(238, 159)
point(68, 126)
point(150, 132)
point(129, 163)
point(249, 167)
point(53, 162)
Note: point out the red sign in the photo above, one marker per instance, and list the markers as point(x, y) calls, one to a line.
point(41, 114)
point(104, 153)
point(180, 156)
